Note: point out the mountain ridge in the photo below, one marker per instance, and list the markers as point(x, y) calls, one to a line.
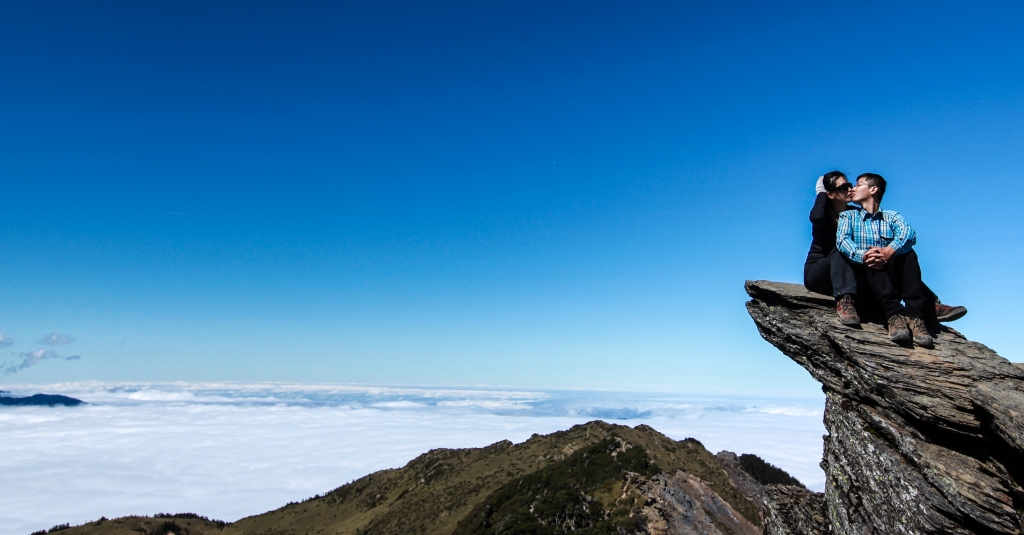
point(38, 400)
point(593, 478)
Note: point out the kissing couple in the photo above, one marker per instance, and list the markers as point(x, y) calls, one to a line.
point(864, 257)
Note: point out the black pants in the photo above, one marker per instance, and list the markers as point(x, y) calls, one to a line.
point(832, 275)
point(899, 280)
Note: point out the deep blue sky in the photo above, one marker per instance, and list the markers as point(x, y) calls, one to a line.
point(535, 194)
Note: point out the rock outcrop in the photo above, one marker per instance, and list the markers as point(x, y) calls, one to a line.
point(791, 510)
point(683, 504)
point(919, 440)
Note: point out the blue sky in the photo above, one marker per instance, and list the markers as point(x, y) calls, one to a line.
point(527, 194)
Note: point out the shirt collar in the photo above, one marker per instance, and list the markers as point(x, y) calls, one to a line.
point(864, 215)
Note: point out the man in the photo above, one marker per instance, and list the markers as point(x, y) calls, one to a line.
point(880, 244)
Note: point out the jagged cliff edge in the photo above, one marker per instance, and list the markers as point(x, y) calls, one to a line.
point(919, 441)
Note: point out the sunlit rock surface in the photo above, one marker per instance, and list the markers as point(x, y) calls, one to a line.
point(919, 440)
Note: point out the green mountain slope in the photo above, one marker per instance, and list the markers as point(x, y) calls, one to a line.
point(595, 478)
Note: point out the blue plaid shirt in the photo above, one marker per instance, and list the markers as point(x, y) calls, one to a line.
point(859, 231)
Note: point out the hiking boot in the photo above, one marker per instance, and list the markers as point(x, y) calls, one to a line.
point(921, 335)
point(846, 311)
point(899, 332)
point(948, 313)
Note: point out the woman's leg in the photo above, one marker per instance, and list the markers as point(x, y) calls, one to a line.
point(816, 276)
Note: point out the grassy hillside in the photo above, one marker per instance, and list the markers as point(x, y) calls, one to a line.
point(582, 493)
point(449, 490)
point(182, 524)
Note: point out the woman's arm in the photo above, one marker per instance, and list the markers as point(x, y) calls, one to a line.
point(818, 211)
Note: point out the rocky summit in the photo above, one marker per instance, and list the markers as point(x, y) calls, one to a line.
point(919, 440)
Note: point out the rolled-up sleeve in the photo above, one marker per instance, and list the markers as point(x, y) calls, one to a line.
point(844, 238)
point(904, 236)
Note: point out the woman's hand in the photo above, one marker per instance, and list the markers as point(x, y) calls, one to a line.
point(819, 186)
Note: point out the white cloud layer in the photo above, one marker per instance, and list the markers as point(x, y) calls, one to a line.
point(230, 450)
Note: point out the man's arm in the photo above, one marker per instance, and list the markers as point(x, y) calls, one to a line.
point(844, 239)
point(904, 236)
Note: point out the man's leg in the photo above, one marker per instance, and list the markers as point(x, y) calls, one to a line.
point(880, 281)
point(915, 294)
point(844, 281)
point(920, 301)
point(867, 304)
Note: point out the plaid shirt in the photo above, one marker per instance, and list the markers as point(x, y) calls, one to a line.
point(859, 231)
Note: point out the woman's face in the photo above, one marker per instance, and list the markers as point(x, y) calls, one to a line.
point(843, 191)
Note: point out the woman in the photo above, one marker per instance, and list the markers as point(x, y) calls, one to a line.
point(826, 270)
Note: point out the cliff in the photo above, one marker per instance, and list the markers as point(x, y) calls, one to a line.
point(919, 440)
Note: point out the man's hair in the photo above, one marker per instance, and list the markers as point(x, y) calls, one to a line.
point(830, 178)
point(877, 181)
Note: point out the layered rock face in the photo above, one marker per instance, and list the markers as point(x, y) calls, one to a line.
point(919, 440)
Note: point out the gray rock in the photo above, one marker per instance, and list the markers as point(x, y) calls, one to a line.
point(920, 440)
point(790, 510)
point(683, 504)
point(747, 485)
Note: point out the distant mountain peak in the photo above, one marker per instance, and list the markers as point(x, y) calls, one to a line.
point(46, 400)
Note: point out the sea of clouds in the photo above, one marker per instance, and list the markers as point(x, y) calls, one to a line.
point(227, 450)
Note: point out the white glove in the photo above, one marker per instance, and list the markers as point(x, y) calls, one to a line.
point(819, 186)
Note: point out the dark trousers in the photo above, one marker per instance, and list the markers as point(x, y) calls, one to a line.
point(900, 280)
point(832, 275)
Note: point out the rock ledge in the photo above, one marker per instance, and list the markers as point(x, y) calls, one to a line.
point(919, 440)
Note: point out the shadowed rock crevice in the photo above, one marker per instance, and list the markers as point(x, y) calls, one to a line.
point(919, 440)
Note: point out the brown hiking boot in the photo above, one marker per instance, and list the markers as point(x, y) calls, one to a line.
point(846, 311)
point(921, 335)
point(948, 313)
point(898, 330)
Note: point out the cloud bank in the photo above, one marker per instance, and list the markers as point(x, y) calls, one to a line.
point(31, 358)
point(5, 341)
point(232, 450)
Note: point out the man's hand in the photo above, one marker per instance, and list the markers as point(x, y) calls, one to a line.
point(874, 259)
point(878, 257)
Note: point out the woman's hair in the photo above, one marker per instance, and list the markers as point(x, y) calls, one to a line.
point(830, 179)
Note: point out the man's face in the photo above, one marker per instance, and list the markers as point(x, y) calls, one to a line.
point(862, 191)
